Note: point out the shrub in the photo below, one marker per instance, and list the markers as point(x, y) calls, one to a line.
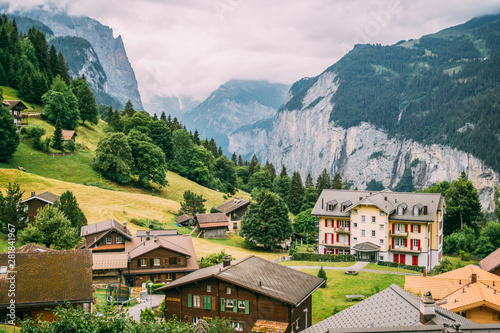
point(444, 266)
point(69, 145)
point(402, 266)
point(301, 256)
point(464, 256)
point(36, 132)
point(322, 275)
point(147, 315)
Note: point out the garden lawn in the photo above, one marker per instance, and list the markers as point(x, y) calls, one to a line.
point(338, 285)
point(389, 269)
point(316, 263)
point(456, 260)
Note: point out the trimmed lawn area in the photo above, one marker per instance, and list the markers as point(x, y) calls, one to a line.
point(456, 260)
point(316, 263)
point(389, 269)
point(325, 300)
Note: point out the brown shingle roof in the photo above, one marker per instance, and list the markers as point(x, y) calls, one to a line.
point(109, 260)
point(12, 103)
point(232, 205)
point(46, 196)
point(491, 262)
point(166, 232)
point(266, 326)
point(212, 220)
point(67, 135)
point(44, 278)
point(32, 248)
point(100, 227)
point(184, 218)
point(173, 243)
point(261, 276)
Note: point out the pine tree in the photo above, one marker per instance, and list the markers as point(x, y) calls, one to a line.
point(309, 181)
point(283, 172)
point(240, 160)
point(323, 182)
point(155, 117)
point(128, 110)
point(86, 101)
point(253, 166)
point(322, 275)
point(57, 138)
point(234, 158)
point(219, 152)
point(296, 194)
point(337, 181)
point(163, 117)
point(196, 137)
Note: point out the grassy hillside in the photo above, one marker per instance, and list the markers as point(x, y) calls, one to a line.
point(10, 93)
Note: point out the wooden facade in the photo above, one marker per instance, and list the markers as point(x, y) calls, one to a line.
point(215, 233)
point(212, 298)
point(112, 241)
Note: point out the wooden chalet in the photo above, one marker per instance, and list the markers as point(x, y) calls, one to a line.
point(17, 107)
point(44, 279)
point(157, 255)
point(491, 263)
point(185, 220)
point(234, 210)
point(255, 294)
point(68, 135)
point(35, 202)
point(212, 225)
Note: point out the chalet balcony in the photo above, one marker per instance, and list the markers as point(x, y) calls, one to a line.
point(342, 230)
point(336, 244)
point(405, 249)
point(398, 234)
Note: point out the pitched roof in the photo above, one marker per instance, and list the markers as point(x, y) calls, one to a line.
point(442, 328)
point(261, 276)
point(152, 233)
point(32, 248)
point(232, 205)
point(388, 201)
point(109, 260)
point(184, 218)
point(457, 289)
point(392, 307)
point(67, 135)
point(212, 220)
point(266, 326)
point(104, 226)
point(366, 247)
point(12, 103)
point(46, 196)
point(43, 278)
point(491, 262)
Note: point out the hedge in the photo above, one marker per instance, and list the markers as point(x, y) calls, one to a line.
point(302, 256)
point(398, 265)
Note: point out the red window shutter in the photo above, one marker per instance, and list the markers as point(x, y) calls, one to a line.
point(406, 227)
point(338, 224)
point(406, 243)
point(336, 251)
point(393, 228)
point(349, 240)
point(411, 228)
point(402, 259)
point(324, 250)
point(396, 258)
point(419, 244)
point(326, 238)
point(411, 244)
point(337, 238)
point(419, 228)
point(326, 223)
point(415, 261)
point(393, 243)
point(349, 225)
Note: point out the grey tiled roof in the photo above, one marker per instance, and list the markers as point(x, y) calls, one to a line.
point(392, 307)
point(386, 200)
point(259, 275)
point(107, 225)
point(45, 196)
point(232, 205)
point(366, 246)
point(166, 232)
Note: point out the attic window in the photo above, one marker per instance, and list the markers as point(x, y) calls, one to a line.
point(416, 211)
point(3, 270)
point(400, 210)
point(330, 207)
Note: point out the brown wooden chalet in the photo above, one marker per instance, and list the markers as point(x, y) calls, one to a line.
point(45, 278)
point(234, 210)
point(256, 295)
point(17, 107)
point(185, 219)
point(212, 225)
point(35, 202)
point(157, 255)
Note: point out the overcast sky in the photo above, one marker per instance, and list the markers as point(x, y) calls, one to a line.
point(190, 47)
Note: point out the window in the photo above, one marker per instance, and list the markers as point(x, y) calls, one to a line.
point(344, 224)
point(382, 213)
point(381, 242)
point(400, 210)
point(416, 211)
point(363, 233)
point(343, 238)
point(195, 320)
point(363, 218)
point(241, 304)
point(381, 258)
point(399, 242)
point(228, 290)
point(156, 261)
point(209, 288)
point(381, 227)
point(373, 233)
point(373, 219)
point(355, 225)
point(354, 212)
point(169, 276)
point(329, 223)
point(157, 277)
point(229, 303)
point(196, 301)
point(329, 251)
point(355, 239)
point(144, 262)
point(207, 302)
point(108, 240)
point(414, 228)
point(297, 323)
point(172, 261)
point(235, 225)
point(415, 244)
point(399, 228)
point(237, 325)
point(118, 239)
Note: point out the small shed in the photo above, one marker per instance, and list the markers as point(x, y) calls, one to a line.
point(212, 225)
point(68, 135)
point(185, 219)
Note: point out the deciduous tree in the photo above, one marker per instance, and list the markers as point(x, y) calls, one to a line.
point(113, 156)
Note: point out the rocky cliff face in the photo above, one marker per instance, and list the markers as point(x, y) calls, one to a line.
point(306, 141)
point(121, 81)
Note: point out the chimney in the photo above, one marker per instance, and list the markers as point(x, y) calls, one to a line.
point(148, 234)
point(124, 224)
point(226, 261)
point(427, 308)
point(425, 210)
point(322, 203)
point(33, 194)
point(474, 278)
point(155, 237)
point(385, 198)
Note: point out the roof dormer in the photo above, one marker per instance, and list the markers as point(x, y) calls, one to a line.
point(330, 205)
point(417, 209)
point(401, 209)
point(344, 205)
